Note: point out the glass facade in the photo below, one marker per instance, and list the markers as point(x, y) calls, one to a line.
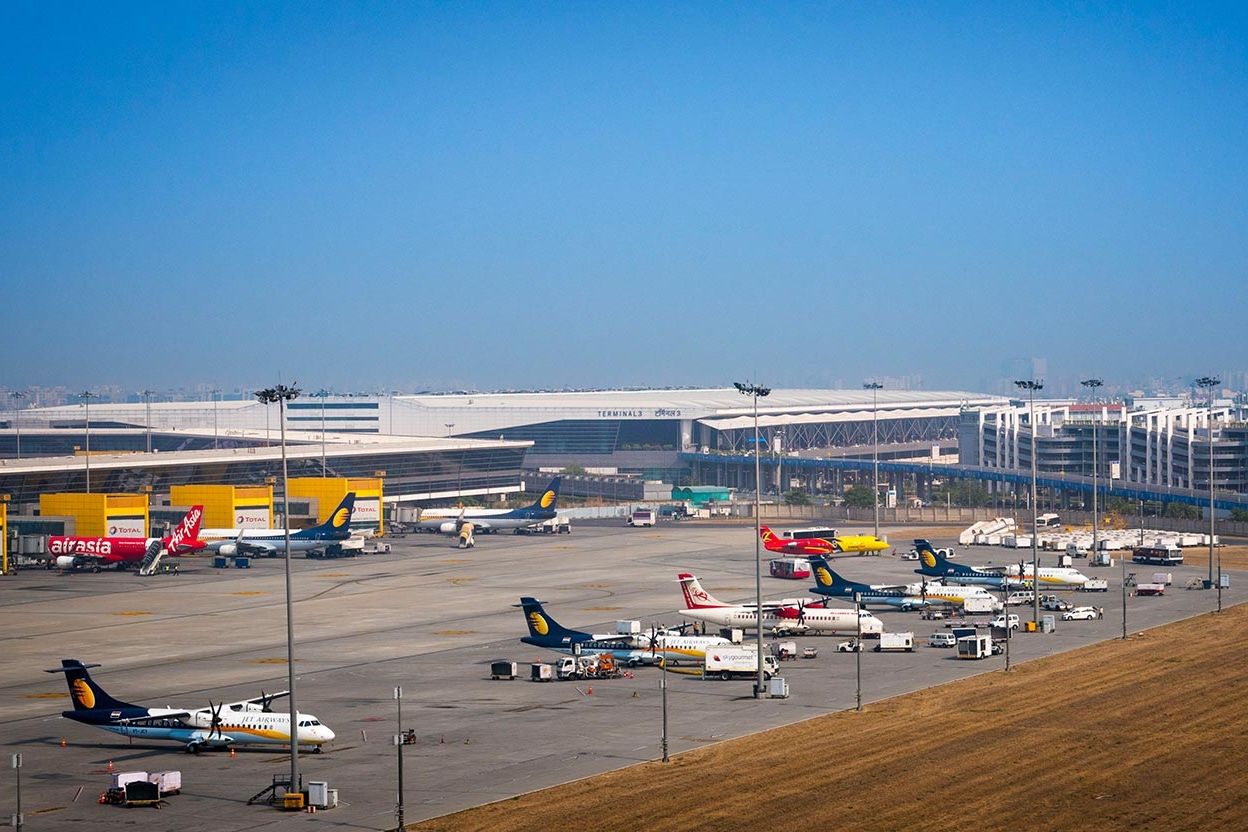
point(406, 473)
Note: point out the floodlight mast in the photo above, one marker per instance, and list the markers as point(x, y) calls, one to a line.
point(1209, 383)
point(1031, 386)
point(756, 392)
point(281, 394)
point(875, 387)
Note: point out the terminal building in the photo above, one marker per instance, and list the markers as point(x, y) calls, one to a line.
point(640, 432)
point(1167, 445)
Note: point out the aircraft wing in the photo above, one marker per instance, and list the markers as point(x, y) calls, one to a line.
point(263, 701)
point(246, 547)
point(156, 713)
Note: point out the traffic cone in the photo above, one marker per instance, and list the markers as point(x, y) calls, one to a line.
point(63, 743)
point(233, 753)
point(110, 765)
point(589, 690)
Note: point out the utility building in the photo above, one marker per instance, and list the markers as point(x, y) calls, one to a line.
point(99, 515)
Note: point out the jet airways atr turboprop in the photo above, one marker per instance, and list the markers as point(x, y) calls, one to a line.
point(628, 648)
point(95, 552)
point(794, 615)
point(231, 542)
point(935, 565)
point(249, 722)
point(902, 596)
point(489, 520)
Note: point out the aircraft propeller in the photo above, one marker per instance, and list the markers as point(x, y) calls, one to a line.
point(266, 702)
point(214, 726)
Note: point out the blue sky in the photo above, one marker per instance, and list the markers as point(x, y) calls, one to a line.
point(371, 196)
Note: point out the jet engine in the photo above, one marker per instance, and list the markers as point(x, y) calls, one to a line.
point(228, 549)
point(449, 527)
point(68, 562)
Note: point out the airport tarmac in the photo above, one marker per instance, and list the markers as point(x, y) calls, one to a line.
point(430, 617)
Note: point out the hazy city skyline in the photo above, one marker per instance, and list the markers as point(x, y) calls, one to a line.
point(498, 196)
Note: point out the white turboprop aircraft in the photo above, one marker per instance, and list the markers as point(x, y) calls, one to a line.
point(249, 722)
point(1051, 577)
point(790, 615)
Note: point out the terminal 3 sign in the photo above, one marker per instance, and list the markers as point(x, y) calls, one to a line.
point(639, 413)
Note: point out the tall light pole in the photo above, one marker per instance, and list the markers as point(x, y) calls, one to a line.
point(17, 396)
point(399, 741)
point(663, 692)
point(1031, 386)
point(17, 819)
point(216, 395)
point(757, 392)
point(282, 394)
point(87, 396)
point(321, 394)
point(147, 416)
point(1093, 384)
point(857, 649)
point(875, 387)
point(1210, 383)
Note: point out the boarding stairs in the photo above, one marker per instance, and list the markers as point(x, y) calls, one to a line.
point(269, 793)
point(1129, 581)
point(151, 558)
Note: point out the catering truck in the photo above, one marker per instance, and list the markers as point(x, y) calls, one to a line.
point(737, 663)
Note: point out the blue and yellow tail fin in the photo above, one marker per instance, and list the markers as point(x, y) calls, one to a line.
point(827, 581)
point(548, 500)
point(935, 565)
point(339, 522)
point(85, 692)
point(545, 631)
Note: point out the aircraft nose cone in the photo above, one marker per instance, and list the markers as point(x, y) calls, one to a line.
point(326, 733)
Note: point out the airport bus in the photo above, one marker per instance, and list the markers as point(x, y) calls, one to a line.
point(1159, 555)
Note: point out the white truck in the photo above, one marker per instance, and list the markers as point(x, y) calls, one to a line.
point(895, 642)
point(737, 663)
point(1094, 585)
point(642, 517)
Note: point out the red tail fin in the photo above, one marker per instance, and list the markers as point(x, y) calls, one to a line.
point(187, 530)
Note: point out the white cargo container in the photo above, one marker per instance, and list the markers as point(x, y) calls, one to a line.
point(1166, 578)
point(628, 628)
point(895, 642)
point(1094, 585)
point(167, 782)
point(979, 605)
point(121, 778)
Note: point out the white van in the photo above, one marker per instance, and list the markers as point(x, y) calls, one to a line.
point(942, 638)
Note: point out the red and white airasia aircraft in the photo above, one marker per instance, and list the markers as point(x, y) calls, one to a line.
point(95, 552)
point(789, 615)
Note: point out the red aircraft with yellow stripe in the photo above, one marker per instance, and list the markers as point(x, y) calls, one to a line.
point(840, 544)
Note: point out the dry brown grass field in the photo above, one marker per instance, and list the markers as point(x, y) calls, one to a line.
point(1146, 734)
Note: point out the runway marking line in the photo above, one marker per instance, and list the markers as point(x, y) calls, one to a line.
point(249, 592)
point(269, 660)
point(131, 612)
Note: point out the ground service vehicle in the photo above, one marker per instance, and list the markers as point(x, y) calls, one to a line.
point(642, 517)
point(1095, 585)
point(1150, 589)
point(1017, 599)
point(895, 642)
point(791, 568)
point(1000, 621)
point(942, 639)
point(738, 663)
point(1161, 555)
point(850, 646)
point(1082, 614)
point(978, 646)
point(503, 669)
point(1054, 604)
